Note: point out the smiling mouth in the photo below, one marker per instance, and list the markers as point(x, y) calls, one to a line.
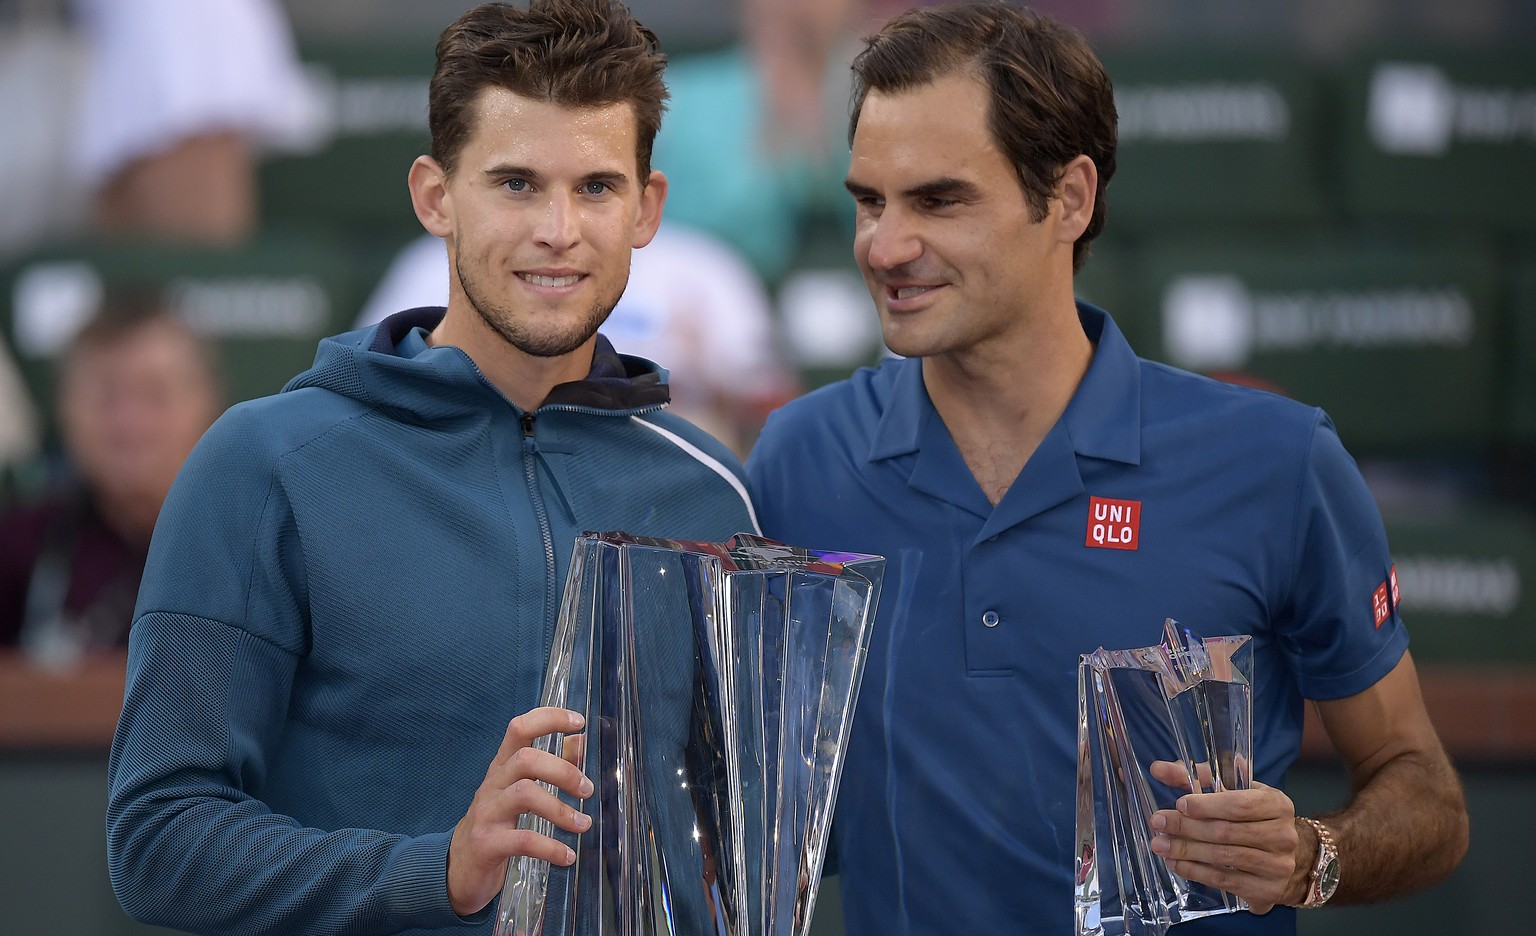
point(908, 292)
point(538, 280)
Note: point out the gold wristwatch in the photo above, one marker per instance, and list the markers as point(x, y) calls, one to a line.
point(1325, 872)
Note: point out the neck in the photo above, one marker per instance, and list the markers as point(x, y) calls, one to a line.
point(1025, 383)
point(999, 401)
point(523, 378)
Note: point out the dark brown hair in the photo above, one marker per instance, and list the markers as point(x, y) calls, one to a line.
point(1051, 100)
point(575, 53)
point(127, 308)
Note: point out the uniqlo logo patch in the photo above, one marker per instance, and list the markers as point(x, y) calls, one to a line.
point(1381, 603)
point(1113, 524)
point(1397, 596)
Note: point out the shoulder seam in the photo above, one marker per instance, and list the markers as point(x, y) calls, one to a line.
point(710, 462)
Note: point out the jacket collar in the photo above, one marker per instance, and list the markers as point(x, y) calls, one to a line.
point(615, 381)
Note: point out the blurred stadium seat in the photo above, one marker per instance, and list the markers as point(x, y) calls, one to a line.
point(1469, 588)
point(1397, 343)
point(1214, 136)
point(1519, 354)
point(1441, 136)
point(373, 124)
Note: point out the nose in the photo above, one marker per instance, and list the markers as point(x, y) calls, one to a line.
point(559, 228)
point(890, 240)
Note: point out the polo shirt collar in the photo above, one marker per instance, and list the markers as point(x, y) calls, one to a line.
point(1103, 420)
point(1104, 417)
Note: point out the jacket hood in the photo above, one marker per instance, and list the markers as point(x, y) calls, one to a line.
point(386, 366)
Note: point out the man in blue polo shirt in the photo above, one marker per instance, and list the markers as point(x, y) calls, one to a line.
point(1039, 491)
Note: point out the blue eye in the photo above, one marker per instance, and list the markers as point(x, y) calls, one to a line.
point(516, 185)
point(595, 188)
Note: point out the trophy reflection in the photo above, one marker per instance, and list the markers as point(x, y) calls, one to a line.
point(718, 682)
point(1186, 702)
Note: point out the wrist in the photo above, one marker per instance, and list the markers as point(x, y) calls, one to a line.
point(1320, 875)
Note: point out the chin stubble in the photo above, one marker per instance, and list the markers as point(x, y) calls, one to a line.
point(504, 323)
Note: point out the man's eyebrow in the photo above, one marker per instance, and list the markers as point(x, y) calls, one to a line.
point(611, 178)
point(507, 170)
point(946, 187)
point(859, 191)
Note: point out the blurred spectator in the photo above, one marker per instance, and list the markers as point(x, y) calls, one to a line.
point(137, 388)
point(692, 305)
point(143, 117)
point(18, 424)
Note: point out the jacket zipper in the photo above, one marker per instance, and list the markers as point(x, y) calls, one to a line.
point(536, 497)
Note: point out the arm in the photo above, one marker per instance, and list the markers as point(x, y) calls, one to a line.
point(1404, 829)
point(214, 656)
point(1406, 825)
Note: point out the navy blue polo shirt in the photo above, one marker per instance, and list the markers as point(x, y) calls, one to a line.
point(1159, 493)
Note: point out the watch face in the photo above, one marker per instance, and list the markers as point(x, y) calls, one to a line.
point(1328, 878)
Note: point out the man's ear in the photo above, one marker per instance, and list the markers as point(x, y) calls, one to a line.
point(1076, 194)
point(429, 196)
point(652, 197)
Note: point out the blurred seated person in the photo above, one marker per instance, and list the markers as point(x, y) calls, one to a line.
point(144, 120)
point(136, 390)
point(692, 305)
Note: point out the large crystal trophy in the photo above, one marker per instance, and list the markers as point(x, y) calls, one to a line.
point(1154, 724)
point(718, 682)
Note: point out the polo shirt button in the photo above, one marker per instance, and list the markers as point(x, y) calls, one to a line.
point(989, 619)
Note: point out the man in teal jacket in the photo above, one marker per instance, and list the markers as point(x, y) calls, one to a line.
point(354, 583)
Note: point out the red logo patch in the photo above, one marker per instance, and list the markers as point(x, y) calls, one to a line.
point(1113, 524)
point(1392, 580)
point(1381, 604)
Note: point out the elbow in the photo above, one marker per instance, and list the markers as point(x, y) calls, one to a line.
point(1460, 834)
point(1455, 831)
point(136, 890)
point(145, 886)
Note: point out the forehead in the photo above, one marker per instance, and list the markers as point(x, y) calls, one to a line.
point(156, 345)
point(507, 126)
point(935, 129)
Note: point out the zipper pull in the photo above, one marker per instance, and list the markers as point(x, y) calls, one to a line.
point(527, 422)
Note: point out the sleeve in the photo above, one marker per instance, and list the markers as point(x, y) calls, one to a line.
point(220, 630)
point(1340, 627)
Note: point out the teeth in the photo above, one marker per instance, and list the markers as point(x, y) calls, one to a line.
point(549, 280)
point(908, 292)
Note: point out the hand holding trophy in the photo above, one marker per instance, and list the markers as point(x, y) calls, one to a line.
point(1154, 724)
point(717, 681)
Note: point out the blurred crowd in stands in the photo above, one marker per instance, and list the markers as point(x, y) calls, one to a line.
point(134, 126)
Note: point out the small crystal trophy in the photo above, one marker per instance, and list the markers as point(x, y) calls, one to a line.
point(718, 682)
point(1186, 702)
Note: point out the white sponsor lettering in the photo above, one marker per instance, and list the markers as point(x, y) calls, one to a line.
point(1199, 113)
point(342, 107)
point(1376, 319)
point(1414, 109)
point(295, 307)
point(1218, 322)
point(1112, 533)
point(1479, 586)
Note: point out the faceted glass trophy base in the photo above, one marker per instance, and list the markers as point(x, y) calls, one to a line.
point(1154, 724)
point(718, 681)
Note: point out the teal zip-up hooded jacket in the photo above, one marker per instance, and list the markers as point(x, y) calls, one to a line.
point(351, 590)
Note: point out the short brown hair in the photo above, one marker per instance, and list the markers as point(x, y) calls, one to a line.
point(1051, 100)
point(575, 53)
point(126, 310)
